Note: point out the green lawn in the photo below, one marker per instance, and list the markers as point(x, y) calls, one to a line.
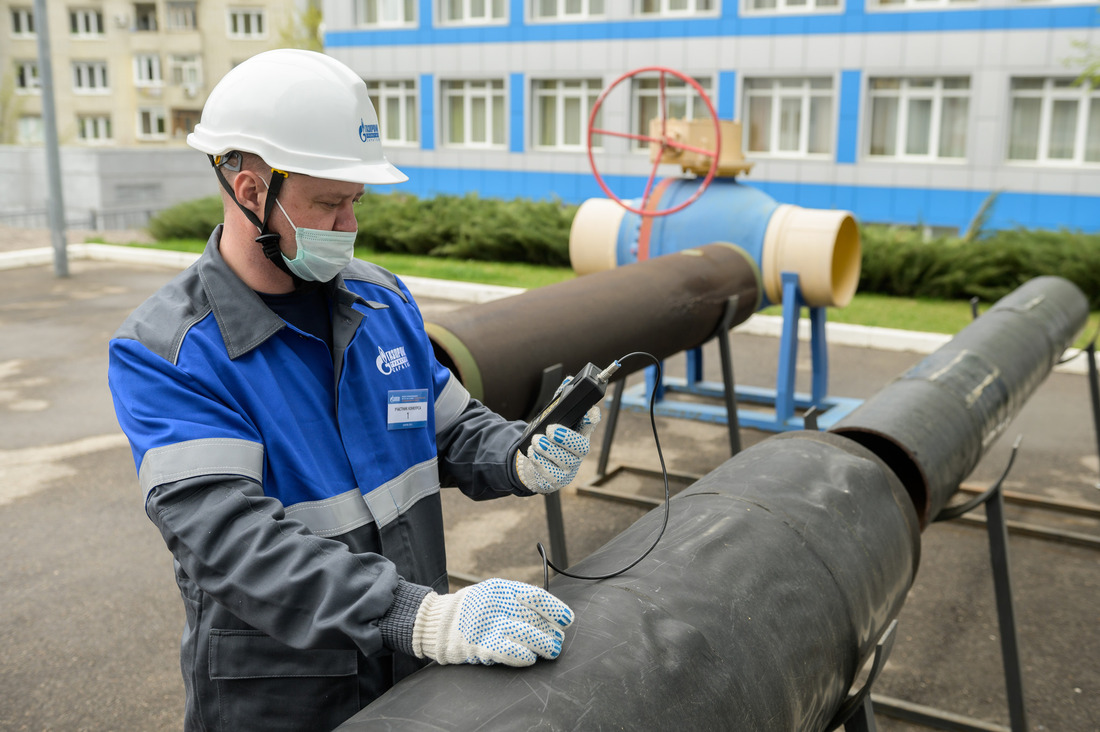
point(934, 316)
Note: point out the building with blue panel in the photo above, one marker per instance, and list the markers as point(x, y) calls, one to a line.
point(902, 111)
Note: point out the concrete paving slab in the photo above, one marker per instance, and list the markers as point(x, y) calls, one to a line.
point(91, 617)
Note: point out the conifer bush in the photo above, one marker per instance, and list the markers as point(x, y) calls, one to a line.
point(896, 260)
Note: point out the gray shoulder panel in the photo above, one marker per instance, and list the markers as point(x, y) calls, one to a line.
point(161, 322)
point(373, 274)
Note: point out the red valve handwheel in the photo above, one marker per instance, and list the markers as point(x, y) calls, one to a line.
point(663, 140)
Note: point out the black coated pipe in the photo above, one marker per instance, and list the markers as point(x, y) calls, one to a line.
point(933, 424)
point(776, 575)
point(663, 306)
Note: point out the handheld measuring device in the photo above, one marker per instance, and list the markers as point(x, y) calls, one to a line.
point(569, 407)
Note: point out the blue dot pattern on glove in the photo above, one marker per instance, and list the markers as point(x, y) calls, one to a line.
point(511, 622)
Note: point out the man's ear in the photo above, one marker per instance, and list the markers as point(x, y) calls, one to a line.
point(250, 191)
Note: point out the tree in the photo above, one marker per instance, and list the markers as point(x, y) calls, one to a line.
point(304, 29)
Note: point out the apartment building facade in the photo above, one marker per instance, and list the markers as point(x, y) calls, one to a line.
point(903, 111)
point(127, 72)
point(129, 81)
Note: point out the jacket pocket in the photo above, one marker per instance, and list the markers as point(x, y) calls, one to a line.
point(261, 683)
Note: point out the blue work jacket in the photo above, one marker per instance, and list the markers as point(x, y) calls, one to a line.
point(296, 486)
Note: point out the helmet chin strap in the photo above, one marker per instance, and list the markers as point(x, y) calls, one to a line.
point(268, 240)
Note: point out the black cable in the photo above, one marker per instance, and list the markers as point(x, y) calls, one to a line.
point(547, 565)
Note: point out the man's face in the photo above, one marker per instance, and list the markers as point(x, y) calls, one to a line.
point(314, 203)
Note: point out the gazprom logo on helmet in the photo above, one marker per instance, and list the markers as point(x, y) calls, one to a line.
point(367, 132)
point(391, 360)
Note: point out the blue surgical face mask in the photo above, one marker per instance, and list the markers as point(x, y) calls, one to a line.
point(321, 253)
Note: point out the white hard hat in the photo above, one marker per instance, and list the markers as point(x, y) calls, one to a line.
point(302, 112)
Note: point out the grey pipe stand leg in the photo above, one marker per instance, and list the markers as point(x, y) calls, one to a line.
point(997, 530)
point(552, 376)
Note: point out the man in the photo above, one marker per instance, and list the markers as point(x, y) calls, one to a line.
point(291, 429)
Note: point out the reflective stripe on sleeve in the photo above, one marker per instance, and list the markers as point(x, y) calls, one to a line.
point(352, 509)
point(450, 403)
point(213, 456)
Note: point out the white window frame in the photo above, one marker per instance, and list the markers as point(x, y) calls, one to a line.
point(468, 8)
point(181, 16)
point(155, 116)
point(469, 90)
point(686, 92)
point(671, 9)
point(147, 70)
point(562, 12)
point(385, 13)
point(910, 5)
point(793, 7)
point(583, 91)
point(242, 17)
point(22, 23)
point(89, 22)
point(904, 94)
point(185, 69)
point(30, 130)
point(1048, 95)
point(403, 92)
point(99, 125)
point(780, 90)
point(26, 77)
point(90, 77)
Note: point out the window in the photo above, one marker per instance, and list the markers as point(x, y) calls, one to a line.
point(674, 7)
point(180, 16)
point(385, 13)
point(94, 128)
point(151, 124)
point(84, 23)
point(22, 22)
point(790, 6)
point(26, 77)
point(395, 103)
point(681, 102)
point(789, 116)
point(246, 23)
point(919, 118)
point(1054, 121)
point(561, 115)
point(917, 4)
point(184, 121)
point(147, 70)
point(29, 130)
point(90, 77)
point(474, 113)
point(186, 70)
point(145, 17)
point(473, 11)
point(566, 9)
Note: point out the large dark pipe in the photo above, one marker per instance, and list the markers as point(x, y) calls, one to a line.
point(663, 306)
point(776, 575)
point(933, 424)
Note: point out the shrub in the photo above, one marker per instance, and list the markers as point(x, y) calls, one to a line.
point(188, 220)
point(467, 227)
point(898, 262)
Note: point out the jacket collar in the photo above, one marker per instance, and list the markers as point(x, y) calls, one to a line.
point(244, 320)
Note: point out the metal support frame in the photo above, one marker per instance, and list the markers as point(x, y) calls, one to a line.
point(1094, 392)
point(997, 530)
point(784, 402)
point(856, 714)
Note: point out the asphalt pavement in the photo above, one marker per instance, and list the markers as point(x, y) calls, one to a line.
point(90, 617)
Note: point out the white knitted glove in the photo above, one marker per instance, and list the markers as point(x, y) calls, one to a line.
point(495, 621)
point(553, 458)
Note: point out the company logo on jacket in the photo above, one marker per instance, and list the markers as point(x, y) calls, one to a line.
point(392, 360)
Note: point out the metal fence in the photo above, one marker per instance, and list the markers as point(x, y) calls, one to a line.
point(92, 219)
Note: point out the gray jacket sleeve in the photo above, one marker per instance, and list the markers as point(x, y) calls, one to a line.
point(477, 453)
point(305, 591)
